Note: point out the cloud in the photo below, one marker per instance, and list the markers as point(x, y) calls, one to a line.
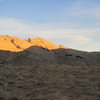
point(84, 39)
point(84, 8)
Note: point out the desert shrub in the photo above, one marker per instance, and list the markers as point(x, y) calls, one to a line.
point(1, 98)
point(79, 57)
point(13, 98)
point(40, 84)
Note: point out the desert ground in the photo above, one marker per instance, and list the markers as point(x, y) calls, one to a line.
point(42, 73)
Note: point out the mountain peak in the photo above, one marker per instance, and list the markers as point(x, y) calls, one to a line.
point(43, 43)
point(16, 44)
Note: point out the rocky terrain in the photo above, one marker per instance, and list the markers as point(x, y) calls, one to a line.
point(36, 69)
point(16, 44)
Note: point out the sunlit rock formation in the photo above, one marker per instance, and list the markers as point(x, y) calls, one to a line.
point(16, 44)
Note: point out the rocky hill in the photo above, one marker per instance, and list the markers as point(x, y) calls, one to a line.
point(16, 44)
point(42, 43)
point(13, 44)
point(36, 69)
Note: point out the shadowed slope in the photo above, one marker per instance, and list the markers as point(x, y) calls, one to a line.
point(37, 73)
point(41, 74)
point(39, 55)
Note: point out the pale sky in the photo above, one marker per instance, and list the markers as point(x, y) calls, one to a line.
point(73, 23)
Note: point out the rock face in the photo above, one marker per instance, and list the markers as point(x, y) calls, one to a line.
point(13, 44)
point(43, 43)
point(16, 44)
point(61, 46)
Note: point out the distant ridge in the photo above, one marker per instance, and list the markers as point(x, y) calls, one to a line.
point(16, 44)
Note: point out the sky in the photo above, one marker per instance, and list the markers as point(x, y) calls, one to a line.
point(73, 23)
